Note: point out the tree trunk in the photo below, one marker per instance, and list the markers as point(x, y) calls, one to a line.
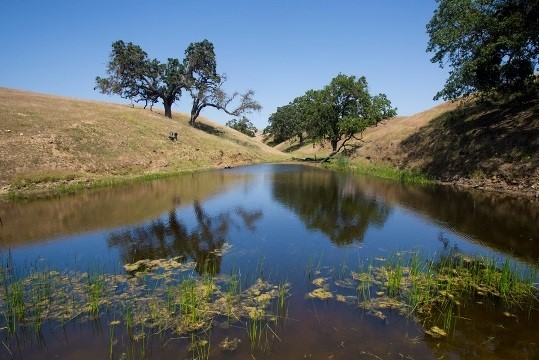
point(168, 108)
point(334, 145)
point(300, 135)
point(194, 112)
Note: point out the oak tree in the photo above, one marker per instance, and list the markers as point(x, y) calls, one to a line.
point(345, 107)
point(491, 46)
point(133, 75)
point(205, 85)
point(243, 125)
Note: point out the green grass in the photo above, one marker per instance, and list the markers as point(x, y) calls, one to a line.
point(435, 292)
point(378, 170)
point(27, 187)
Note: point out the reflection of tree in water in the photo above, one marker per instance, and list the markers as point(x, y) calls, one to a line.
point(169, 238)
point(330, 203)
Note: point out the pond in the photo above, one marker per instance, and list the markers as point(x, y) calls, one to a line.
point(270, 262)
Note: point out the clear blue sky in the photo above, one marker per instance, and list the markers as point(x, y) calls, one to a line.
point(279, 49)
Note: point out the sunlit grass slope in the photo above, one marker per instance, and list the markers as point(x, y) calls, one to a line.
point(49, 142)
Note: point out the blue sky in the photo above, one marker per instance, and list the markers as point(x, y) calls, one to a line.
point(279, 49)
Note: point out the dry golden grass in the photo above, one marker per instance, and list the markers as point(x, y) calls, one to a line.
point(48, 140)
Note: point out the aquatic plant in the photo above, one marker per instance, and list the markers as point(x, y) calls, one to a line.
point(254, 331)
point(200, 346)
point(154, 299)
point(431, 291)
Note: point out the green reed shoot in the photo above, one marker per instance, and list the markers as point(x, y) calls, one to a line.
point(96, 289)
point(254, 331)
point(395, 274)
point(343, 267)
point(189, 302)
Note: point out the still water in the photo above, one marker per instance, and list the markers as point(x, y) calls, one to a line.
point(282, 223)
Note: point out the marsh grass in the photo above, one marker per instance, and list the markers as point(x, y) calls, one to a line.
point(96, 289)
point(435, 291)
point(254, 331)
point(166, 300)
point(378, 170)
point(394, 272)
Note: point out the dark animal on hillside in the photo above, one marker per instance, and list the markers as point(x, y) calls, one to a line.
point(173, 136)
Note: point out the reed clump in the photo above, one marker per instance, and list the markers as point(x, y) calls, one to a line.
point(435, 291)
point(166, 297)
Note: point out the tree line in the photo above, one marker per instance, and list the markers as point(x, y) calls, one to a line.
point(133, 75)
point(336, 113)
point(491, 46)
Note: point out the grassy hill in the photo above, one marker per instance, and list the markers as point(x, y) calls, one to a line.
point(61, 144)
point(484, 146)
point(52, 144)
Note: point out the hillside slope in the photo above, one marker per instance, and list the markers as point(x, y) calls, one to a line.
point(46, 141)
point(470, 145)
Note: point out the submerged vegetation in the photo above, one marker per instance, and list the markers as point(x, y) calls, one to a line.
point(433, 292)
point(166, 298)
point(153, 297)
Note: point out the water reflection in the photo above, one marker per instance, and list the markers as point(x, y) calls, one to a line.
point(37, 221)
point(331, 203)
point(196, 216)
point(503, 223)
point(482, 330)
point(170, 237)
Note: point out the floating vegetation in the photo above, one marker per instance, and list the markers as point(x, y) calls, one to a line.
point(436, 332)
point(229, 344)
point(321, 292)
point(165, 264)
point(432, 292)
point(156, 295)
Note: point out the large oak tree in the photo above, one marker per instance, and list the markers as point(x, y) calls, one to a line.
point(336, 113)
point(205, 85)
point(133, 75)
point(492, 46)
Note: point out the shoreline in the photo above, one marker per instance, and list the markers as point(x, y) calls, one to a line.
point(49, 189)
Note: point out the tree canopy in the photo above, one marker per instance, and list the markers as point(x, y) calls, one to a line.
point(243, 125)
point(290, 120)
point(337, 112)
point(492, 46)
point(205, 84)
point(132, 75)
